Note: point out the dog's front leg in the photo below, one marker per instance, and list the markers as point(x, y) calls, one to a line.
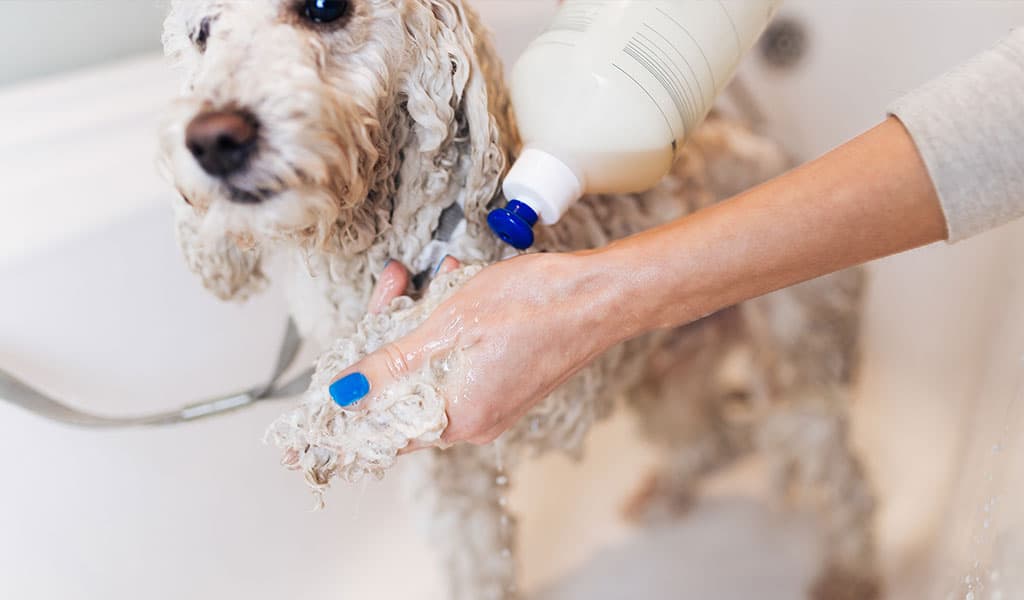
point(462, 492)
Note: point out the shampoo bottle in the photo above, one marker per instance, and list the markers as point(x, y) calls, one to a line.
point(609, 91)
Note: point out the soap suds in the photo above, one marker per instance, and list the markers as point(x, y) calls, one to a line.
point(325, 441)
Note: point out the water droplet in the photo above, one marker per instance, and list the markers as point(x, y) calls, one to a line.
point(502, 501)
point(986, 523)
point(501, 480)
point(969, 596)
point(994, 575)
point(506, 553)
point(534, 425)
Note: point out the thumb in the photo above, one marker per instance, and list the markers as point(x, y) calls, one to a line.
point(356, 388)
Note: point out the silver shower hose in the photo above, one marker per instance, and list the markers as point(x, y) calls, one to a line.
point(17, 392)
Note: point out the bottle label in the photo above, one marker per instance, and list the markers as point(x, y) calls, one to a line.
point(576, 16)
point(680, 53)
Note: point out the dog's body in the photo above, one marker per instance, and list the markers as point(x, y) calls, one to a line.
point(384, 134)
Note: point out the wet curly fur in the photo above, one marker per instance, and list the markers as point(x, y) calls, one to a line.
point(369, 129)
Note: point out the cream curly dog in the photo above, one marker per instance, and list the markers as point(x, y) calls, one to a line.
point(337, 135)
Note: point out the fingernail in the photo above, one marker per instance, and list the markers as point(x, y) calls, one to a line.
point(439, 263)
point(349, 389)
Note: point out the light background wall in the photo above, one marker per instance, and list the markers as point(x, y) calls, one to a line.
point(43, 37)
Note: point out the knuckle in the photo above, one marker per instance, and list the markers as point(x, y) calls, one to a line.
point(395, 361)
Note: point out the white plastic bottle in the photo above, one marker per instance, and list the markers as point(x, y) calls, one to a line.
point(609, 91)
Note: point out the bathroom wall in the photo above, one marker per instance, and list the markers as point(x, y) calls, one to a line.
point(44, 37)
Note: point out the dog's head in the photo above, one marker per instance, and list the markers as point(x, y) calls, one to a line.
point(304, 120)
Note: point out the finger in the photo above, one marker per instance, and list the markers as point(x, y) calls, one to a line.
point(390, 284)
point(356, 387)
point(448, 264)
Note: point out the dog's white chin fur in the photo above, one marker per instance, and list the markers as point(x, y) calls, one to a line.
point(299, 215)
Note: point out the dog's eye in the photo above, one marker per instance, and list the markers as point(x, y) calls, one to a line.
point(201, 34)
point(325, 11)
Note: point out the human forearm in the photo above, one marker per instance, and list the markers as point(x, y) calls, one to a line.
point(868, 198)
point(525, 325)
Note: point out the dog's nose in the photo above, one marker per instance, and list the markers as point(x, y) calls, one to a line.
point(221, 141)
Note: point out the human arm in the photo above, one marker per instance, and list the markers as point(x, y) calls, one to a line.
point(531, 322)
point(868, 198)
point(527, 324)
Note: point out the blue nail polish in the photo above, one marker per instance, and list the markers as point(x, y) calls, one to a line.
point(349, 389)
point(439, 263)
point(386, 263)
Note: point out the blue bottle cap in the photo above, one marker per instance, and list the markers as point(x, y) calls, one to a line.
point(513, 224)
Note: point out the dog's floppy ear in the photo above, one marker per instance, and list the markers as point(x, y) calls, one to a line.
point(226, 268)
point(453, 94)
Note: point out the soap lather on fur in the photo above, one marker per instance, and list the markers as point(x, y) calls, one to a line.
point(325, 441)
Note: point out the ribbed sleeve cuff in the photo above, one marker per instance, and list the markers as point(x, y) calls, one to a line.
point(968, 126)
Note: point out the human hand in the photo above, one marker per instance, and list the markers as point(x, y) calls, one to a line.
point(517, 327)
point(525, 325)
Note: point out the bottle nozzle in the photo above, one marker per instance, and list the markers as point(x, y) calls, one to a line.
point(513, 224)
point(543, 188)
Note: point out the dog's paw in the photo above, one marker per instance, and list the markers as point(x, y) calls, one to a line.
point(325, 441)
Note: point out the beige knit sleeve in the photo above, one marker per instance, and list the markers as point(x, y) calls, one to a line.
point(968, 126)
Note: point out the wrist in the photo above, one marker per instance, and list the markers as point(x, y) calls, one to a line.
point(628, 289)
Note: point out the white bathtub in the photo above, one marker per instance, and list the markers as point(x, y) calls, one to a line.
point(97, 307)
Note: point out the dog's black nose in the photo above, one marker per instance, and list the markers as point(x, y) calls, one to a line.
point(222, 140)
